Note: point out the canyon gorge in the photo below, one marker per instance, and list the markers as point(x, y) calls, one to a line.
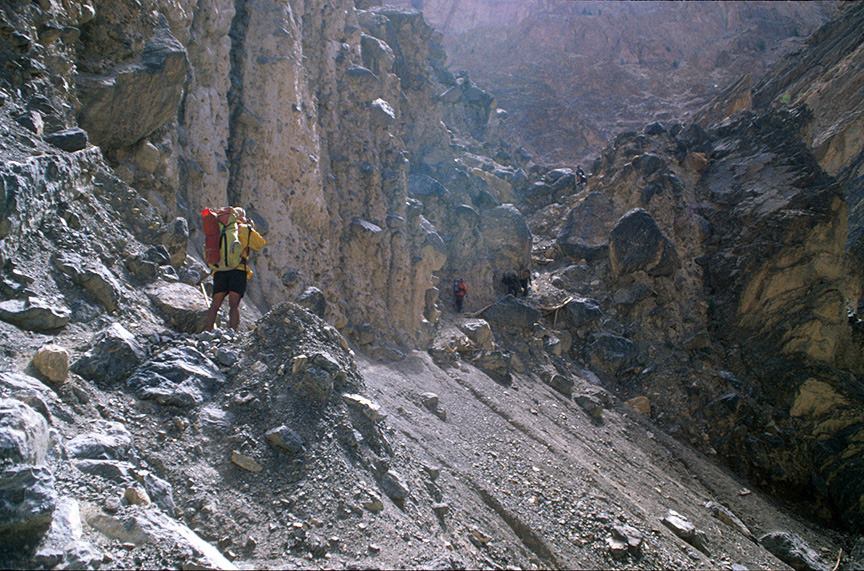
point(681, 387)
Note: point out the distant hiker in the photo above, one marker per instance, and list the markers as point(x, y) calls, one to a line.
point(581, 177)
point(228, 238)
point(511, 282)
point(460, 290)
point(524, 282)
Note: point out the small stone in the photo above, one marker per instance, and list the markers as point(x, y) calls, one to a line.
point(591, 405)
point(373, 502)
point(683, 528)
point(433, 471)
point(247, 463)
point(640, 404)
point(441, 509)
point(136, 496)
point(429, 400)
point(226, 357)
point(370, 409)
point(112, 505)
point(478, 536)
point(630, 536)
point(617, 547)
point(285, 439)
point(725, 515)
point(394, 486)
point(69, 140)
point(373, 548)
point(52, 362)
point(313, 300)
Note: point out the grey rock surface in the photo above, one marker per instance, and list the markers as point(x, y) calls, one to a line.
point(179, 376)
point(113, 357)
point(34, 314)
point(23, 434)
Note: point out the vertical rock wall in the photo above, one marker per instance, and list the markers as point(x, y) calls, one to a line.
point(310, 114)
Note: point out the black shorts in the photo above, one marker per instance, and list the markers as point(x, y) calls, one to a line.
point(228, 281)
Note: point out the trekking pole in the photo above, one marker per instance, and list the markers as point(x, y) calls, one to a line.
point(204, 293)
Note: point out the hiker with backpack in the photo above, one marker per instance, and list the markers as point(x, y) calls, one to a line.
point(460, 290)
point(228, 238)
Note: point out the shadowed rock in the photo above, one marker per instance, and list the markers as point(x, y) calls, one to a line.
point(793, 550)
point(636, 243)
point(34, 314)
point(180, 377)
point(121, 108)
point(113, 357)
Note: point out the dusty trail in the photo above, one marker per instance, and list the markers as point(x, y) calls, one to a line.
point(553, 481)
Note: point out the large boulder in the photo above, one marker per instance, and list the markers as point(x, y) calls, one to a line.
point(27, 500)
point(507, 237)
point(637, 243)
point(93, 276)
point(609, 353)
point(496, 364)
point(183, 306)
point(793, 550)
point(179, 376)
point(62, 546)
point(23, 434)
point(111, 441)
point(148, 526)
point(511, 313)
point(113, 357)
point(34, 314)
point(133, 100)
point(34, 393)
point(585, 233)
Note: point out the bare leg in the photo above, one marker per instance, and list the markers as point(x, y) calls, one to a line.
point(234, 310)
point(218, 298)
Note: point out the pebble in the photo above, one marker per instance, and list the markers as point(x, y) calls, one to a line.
point(247, 463)
point(136, 496)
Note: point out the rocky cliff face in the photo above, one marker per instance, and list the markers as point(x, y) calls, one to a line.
point(571, 75)
point(248, 103)
point(720, 260)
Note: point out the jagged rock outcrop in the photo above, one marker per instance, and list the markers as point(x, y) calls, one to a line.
point(736, 260)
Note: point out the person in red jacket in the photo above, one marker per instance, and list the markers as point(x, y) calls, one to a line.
point(460, 290)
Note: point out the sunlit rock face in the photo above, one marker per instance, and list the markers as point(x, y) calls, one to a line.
point(573, 74)
point(312, 116)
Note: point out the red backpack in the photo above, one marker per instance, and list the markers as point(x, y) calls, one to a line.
point(220, 231)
